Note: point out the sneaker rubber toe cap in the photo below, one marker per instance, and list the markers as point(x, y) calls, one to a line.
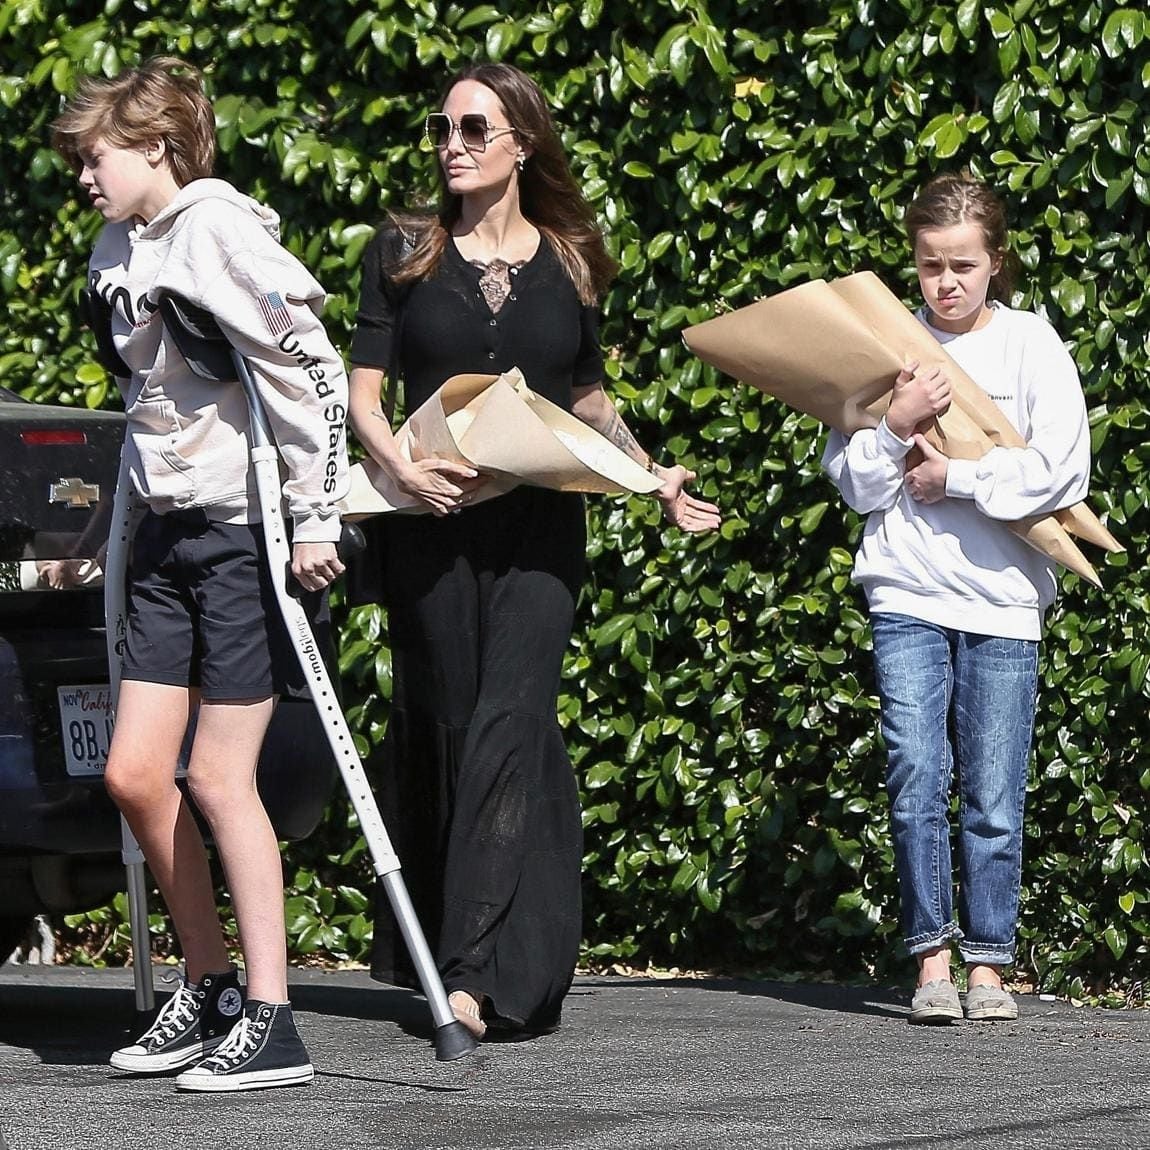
point(936, 1002)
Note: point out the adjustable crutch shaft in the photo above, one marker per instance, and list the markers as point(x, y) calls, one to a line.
point(452, 1040)
point(115, 624)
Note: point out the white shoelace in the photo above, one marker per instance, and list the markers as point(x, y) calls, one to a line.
point(178, 1009)
point(240, 1041)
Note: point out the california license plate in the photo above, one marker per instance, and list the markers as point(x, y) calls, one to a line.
point(85, 727)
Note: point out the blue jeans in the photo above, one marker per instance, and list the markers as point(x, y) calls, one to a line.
point(954, 697)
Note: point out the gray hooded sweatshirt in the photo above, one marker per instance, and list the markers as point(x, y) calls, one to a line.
point(187, 438)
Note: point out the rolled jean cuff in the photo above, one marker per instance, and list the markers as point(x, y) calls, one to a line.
point(923, 942)
point(986, 953)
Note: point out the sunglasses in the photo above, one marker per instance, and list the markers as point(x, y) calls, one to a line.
point(474, 131)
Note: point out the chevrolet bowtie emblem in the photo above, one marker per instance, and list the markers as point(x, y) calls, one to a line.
point(75, 492)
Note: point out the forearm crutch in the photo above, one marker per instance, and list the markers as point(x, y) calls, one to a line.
point(97, 314)
point(115, 615)
point(210, 355)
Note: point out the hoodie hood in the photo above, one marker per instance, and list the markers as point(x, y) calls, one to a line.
point(199, 191)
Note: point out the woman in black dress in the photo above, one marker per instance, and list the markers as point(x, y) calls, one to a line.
point(475, 778)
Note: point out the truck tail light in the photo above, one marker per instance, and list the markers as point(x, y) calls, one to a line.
point(50, 437)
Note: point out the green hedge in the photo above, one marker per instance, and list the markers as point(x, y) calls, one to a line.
point(718, 698)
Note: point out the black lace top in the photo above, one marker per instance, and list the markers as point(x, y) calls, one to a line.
point(477, 318)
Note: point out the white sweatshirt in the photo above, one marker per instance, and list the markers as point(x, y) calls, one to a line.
point(954, 563)
point(187, 441)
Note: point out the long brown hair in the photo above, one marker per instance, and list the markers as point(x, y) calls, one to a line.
point(954, 198)
point(162, 99)
point(548, 194)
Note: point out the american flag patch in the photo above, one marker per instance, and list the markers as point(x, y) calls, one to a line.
point(275, 313)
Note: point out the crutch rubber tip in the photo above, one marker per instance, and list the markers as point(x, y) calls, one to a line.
point(453, 1041)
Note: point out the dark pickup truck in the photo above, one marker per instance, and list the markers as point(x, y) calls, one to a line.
point(59, 833)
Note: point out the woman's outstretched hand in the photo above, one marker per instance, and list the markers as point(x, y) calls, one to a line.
point(679, 506)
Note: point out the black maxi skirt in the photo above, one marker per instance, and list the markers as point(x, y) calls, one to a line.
point(475, 784)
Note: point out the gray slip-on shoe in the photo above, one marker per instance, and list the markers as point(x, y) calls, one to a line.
point(935, 1002)
point(990, 1004)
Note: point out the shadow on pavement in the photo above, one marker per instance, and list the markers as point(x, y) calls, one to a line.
point(80, 1025)
point(407, 1009)
point(72, 1025)
point(66, 1025)
point(881, 1001)
point(1005, 1134)
point(377, 1003)
point(76, 1025)
point(884, 1002)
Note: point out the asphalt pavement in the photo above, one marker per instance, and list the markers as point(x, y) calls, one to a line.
point(639, 1064)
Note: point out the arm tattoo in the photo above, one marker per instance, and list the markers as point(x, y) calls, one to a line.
point(619, 434)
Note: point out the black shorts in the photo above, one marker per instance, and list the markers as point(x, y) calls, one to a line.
point(202, 612)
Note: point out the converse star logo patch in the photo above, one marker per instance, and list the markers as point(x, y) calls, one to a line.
point(230, 1002)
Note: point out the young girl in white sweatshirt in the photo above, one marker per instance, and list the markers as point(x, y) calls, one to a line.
point(957, 600)
point(203, 633)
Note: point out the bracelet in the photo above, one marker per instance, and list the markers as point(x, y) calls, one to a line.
point(651, 465)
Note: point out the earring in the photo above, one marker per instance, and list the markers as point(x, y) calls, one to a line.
point(520, 163)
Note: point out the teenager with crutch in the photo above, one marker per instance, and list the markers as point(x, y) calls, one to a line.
point(212, 356)
point(202, 634)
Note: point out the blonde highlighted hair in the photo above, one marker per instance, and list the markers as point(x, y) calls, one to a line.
point(162, 99)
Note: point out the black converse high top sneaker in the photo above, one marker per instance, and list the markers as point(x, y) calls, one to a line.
point(263, 1050)
point(189, 1026)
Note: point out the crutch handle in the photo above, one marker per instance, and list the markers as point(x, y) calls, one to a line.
point(352, 542)
point(199, 339)
point(96, 313)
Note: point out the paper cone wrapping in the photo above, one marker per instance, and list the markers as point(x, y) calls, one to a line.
point(871, 298)
point(499, 426)
point(833, 349)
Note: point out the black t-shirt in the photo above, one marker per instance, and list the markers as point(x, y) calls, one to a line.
point(448, 328)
